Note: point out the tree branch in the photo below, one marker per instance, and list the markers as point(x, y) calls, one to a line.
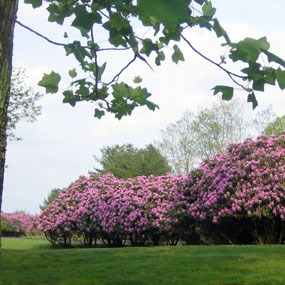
point(39, 35)
point(229, 73)
point(62, 44)
point(122, 70)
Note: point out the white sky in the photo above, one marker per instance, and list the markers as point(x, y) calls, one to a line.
point(59, 147)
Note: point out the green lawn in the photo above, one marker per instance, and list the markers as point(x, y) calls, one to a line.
point(35, 262)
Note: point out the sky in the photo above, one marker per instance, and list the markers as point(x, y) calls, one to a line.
point(60, 146)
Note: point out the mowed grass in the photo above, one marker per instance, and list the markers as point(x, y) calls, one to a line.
point(36, 262)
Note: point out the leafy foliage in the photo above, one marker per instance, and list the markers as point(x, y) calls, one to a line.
point(126, 161)
point(166, 21)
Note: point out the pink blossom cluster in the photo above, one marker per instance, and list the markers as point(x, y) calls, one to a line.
point(18, 223)
point(111, 207)
point(247, 181)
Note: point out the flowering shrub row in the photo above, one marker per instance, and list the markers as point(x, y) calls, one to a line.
point(236, 197)
point(115, 210)
point(17, 224)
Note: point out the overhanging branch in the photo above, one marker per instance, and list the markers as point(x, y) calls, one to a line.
point(39, 35)
point(229, 73)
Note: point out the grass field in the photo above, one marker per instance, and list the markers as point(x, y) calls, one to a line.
point(28, 262)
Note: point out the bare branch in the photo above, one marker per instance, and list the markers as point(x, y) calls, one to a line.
point(38, 34)
point(116, 77)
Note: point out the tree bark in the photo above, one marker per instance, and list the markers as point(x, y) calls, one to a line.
point(8, 15)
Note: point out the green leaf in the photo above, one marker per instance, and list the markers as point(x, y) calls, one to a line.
point(72, 73)
point(252, 99)
point(263, 44)
point(208, 10)
point(78, 51)
point(270, 76)
point(50, 82)
point(35, 3)
point(274, 58)
point(201, 2)
point(227, 91)
point(117, 39)
point(249, 49)
point(148, 47)
point(258, 84)
point(58, 13)
point(151, 105)
point(204, 22)
point(245, 52)
point(84, 20)
point(177, 54)
point(137, 80)
point(70, 98)
point(83, 91)
point(99, 113)
point(160, 57)
point(101, 70)
point(280, 76)
point(253, 68)
point(170, 13)
point(118, 22)
point(220, 32)
point(126, 98)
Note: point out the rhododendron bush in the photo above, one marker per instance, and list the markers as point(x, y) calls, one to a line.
point(243, 191)
point(236, 197)
point(116, 210)
point(18, 224)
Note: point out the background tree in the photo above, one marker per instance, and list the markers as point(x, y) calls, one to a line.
point(275, 127)
point(22, 102)
point(127, 161)
point(199, 136)
point(262, 118)
point(178, 144)
point(51, 196)
point(214, 128)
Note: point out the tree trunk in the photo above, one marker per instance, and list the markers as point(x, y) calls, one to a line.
point(8, 11)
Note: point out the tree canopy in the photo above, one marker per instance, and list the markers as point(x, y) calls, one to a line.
point(202, 135)
point(127, 161)
point(276, 127)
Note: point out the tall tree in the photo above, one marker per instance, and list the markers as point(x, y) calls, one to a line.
point(214, 128)
point(199, 136)
point(51, 196)
point(275, 127)
point(127, 161)
point(178, 144)
point(23, 102)
point(8, 11)
point(262, 118)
